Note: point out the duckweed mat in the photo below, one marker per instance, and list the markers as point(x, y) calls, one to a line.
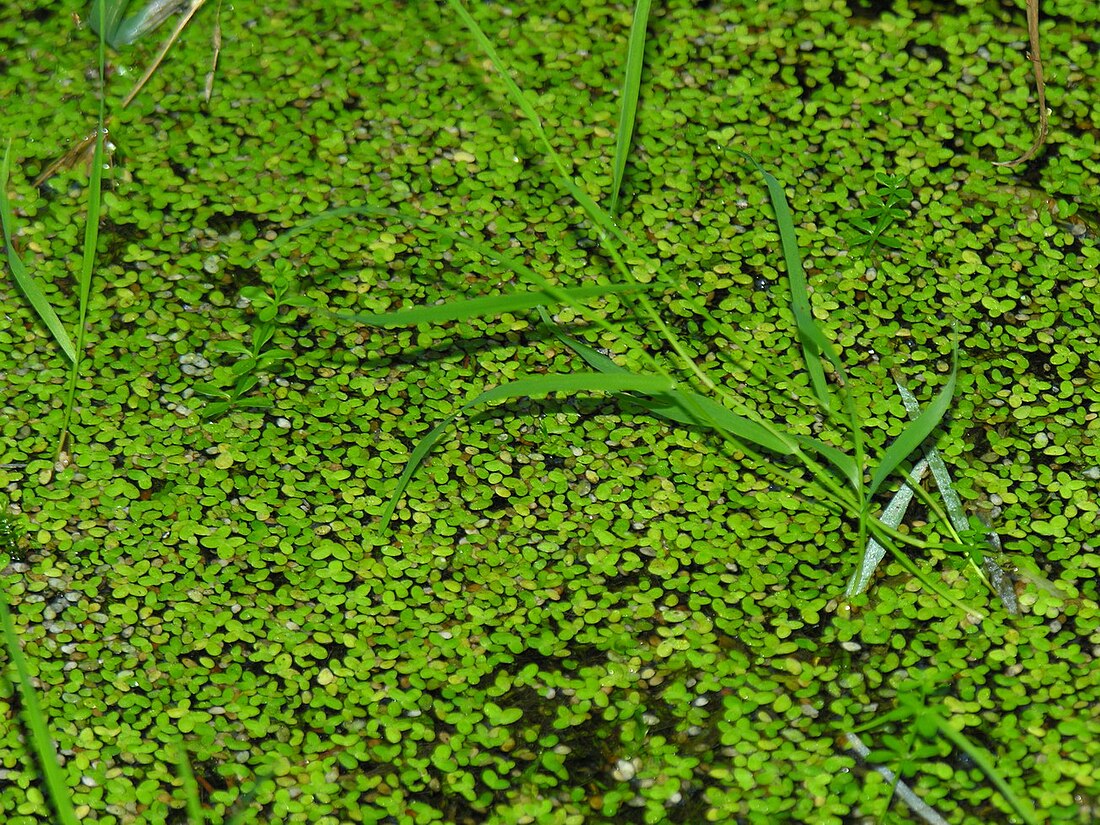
point(582, 613)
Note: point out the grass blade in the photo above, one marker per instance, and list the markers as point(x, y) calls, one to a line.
point(917, 431)
point(524, 388)
point(629, 99)
point(981, 758)
point(91, 241)
point(190, 787)
point(488, 305)
point(26, 282)
point(514, 265)
point(598, 215)
point(35, 720)
point(681, 406)
point(814, 344)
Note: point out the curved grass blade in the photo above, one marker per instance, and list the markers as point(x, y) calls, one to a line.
point(190, 787)
point(26, 282)
point(524, 388)
point(516, 266)
point(488, 305)
point(598, 215)
point(681, 406)
point(41, 742)
point(635, 55)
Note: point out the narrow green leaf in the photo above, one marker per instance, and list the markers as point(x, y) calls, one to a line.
point(981, 758)
point(918, 430)
point(628, 111)
point(26, 282)
point(814, 344)
point(531, 387)
point(599, 216)
point(842, 462)
point(680, 406)
point(190, 787)
point(488, 305)
point(512, 264)
point(35, 719)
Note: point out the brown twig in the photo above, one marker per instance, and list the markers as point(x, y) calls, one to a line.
point(1040, 86)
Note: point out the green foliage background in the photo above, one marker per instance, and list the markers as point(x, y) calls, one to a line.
point(582, 613)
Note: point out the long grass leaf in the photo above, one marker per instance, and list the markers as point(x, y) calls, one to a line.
point(531, 387)
point(26, 282)
point(512, 264)
point(814, 343)
point(628, 99)
point(841, 461)
point(489, 305)
point(190, 787)
point(682, 406)
point(41, 742)
point(598, 215)
point(981, 758)
point(918, 430)
point(91, 241)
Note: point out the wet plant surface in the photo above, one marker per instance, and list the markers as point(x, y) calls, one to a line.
point(580, 612)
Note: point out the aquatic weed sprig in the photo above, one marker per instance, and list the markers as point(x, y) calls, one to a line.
point(270, 310)
point(921, 717)
point(870, 225)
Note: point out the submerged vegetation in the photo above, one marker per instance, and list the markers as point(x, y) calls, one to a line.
point(531, 491)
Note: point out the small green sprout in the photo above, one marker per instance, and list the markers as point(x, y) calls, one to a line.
point(256, 357)
point(870, 225)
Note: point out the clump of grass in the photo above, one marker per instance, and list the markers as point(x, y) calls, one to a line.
point(72, 347)
point(843, 481)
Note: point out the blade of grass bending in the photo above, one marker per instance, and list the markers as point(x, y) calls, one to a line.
point(598, 215)
point(190, 787)
point(516, 266)
point(677, 406)
point(35, 720)
point(489, 305)
point(680, 406)
point(523, 388)
point(915, 434)
point(26, 282)
point(696, 410)
point(635, 57)
point(685, 408)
